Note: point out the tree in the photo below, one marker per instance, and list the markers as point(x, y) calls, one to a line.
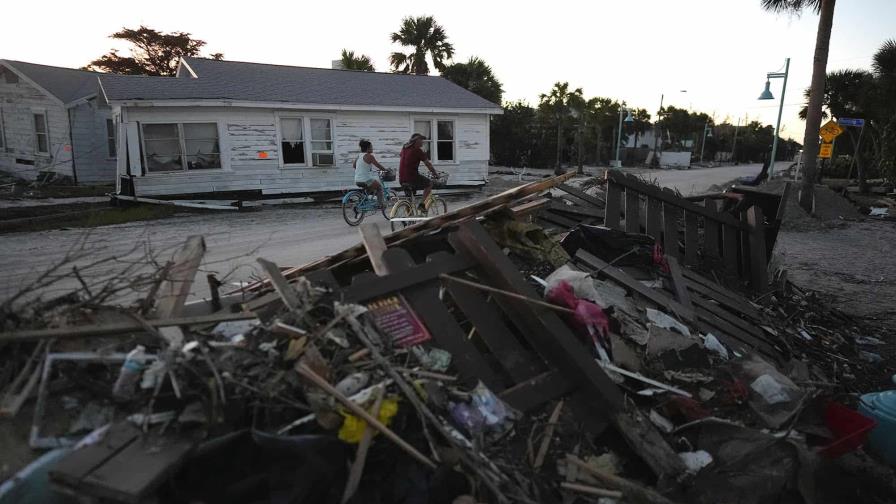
point(361, 62)
point(557, 103)
point(425, 37)
point(154, 52)
point(819, 68)
point(884, 68)
point(476, 76)
point(514, 136)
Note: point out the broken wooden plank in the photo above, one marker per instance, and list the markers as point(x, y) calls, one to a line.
point(691, 239)
point(286, 291)
point(374, 245)
point(671, 214)
point(711, 230)
point(71, 469)
point(535, 391)
point(175, 288)
point(524, 209)
point(614, 206)
point(654, 218)
point(582, 195)
point(17, 392)
point(558, 205)
point(632, 212)
point(757, 251)
point(617, 275)
point(398, 280)
point(678, 282)
point(120, 328)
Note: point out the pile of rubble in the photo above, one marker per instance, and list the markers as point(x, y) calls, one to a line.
point(517, 350)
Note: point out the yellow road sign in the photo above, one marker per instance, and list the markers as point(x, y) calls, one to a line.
point(825, 150)
point(829, 131)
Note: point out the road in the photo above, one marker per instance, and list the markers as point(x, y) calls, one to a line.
point(287, 236)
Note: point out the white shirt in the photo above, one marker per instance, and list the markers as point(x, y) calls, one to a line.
point(363, 169)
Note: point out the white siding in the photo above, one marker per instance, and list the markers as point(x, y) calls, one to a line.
point(89, 138)
point(20, 101)
point(245, 133)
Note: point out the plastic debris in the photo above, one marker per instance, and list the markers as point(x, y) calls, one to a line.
point(710, 342)
point(661, 319)
point(695, 460)
point(129, 374)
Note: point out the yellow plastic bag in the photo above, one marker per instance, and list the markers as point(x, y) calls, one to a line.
point(353, 427)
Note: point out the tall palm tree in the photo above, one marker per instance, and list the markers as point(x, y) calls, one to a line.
point(425, 37)
point(475, 75)
point(557, 101)
point(350, 61)
point(819, 68)
point(884, 66)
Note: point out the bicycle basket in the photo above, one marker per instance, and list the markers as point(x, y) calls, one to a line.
point(441, 180)
point(388, 175)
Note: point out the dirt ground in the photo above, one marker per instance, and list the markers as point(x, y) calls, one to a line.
point(841, 253)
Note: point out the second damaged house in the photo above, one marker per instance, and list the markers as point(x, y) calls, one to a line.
point(232, 127)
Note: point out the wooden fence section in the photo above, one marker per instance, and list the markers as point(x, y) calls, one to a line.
point(736, 246)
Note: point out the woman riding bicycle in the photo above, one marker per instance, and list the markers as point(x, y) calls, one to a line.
point(411, 155)
point(364, 176)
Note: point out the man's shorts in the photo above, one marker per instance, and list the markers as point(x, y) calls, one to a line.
point(419, 182)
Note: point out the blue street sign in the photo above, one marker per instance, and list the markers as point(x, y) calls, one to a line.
point(848, 121)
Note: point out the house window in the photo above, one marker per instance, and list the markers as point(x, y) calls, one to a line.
point(41, 134)
point(110, 138)
point(445, 140)
point(321, 142)
point(442, 141)
point(292, 140)
point(179, 147)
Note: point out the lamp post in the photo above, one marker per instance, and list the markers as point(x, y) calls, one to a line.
point(628, 120)
point(767, 95)
point(706, 129)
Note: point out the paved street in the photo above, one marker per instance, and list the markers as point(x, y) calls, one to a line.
point(287, 236)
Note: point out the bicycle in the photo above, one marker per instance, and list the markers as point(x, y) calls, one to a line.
point(357, 203)
point(406, 207)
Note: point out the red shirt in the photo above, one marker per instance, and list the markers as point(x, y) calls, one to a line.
point(409, 163)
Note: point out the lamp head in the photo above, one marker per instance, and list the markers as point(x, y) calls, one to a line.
point(767, 93)
point(628, 118)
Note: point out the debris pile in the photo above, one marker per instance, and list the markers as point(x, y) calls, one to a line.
point(473, 357)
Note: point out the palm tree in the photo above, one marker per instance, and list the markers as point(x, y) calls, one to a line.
point(599, 112)
point(819, 68)
point(884, 66)
point(476, 76)
point(424, 36)
point(557, 101)
point(352, 62)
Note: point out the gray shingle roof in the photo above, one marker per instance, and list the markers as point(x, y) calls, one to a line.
point(232, 80)
point(67, 84)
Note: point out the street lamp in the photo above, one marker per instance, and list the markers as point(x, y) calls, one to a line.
point(707, 131)
point(628, 120)
point(767, 95)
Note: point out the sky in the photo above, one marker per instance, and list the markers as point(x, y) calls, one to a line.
point(717, 50)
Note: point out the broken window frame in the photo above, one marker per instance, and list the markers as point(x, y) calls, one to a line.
point(182, 149)
point(38, 135)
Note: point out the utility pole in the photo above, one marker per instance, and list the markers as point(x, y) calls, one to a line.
point(734, 143)
point(656, 136)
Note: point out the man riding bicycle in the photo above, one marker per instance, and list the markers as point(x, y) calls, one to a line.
point(412, 154)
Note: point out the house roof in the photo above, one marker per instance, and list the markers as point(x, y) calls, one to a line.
point(240, 81)
point(67, 84)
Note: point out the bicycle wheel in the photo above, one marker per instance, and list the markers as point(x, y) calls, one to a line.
point(351, 208)
point(402, 209)
point(437, 206)
point(391, 198)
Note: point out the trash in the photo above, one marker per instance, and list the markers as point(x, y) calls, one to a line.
point(661, 422)
point(881, 407)
point(711, 343)
point(850, 429)
point(770, 390)
point(696, 460)
point(353, 383)
point(879, 212)
point(353, 427)
point(493, 410)
point(666, 322)
point(129, 374)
